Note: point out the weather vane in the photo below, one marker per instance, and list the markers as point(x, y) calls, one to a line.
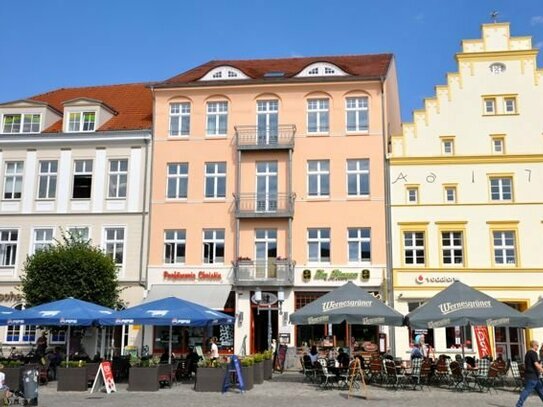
point(494, 16)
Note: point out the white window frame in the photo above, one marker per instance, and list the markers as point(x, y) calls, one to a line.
point(502, 250)
point(450, 194)
point(22, 119)
point(320, 107)
point(498, 141)
point(448, 250)
point(358, 105)
point(359, 237)
point(41, 241)
point(447, 147)
point(78, 126)
point(215, 177)
point(510, 105)
point(320, 173)
point(489, 103)
point(498, 189)
point(116, 177)
point(56, 335)
point(414, 249)
point(214, 112)
point(21, 331)
point(412, 194)
point(212, 237)
point(15, 175)
point(49, 176)
point(85, 172)
point(358, 172)
point(9, 260)
point(181, 112)
point(110, 246)
point(179, 238)
point(177, 178)
point(318, 241)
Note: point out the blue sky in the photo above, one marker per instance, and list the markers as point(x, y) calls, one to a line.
point(58, 43)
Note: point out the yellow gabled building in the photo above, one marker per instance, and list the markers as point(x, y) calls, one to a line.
point(466, 189)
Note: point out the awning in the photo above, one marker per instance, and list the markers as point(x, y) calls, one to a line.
point(213, 296)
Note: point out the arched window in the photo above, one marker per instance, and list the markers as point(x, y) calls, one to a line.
point(224, 72)
point(321, 69)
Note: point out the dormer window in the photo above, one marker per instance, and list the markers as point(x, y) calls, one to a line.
point(21, 123)
point(81, 121)
point(322, 69)
point(224, 72)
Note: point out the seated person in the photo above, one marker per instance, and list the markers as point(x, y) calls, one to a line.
point(192, 360)
point(343, 359)
point(332, 354)
point(313, 354)
point(5, 393)
point(55, 358)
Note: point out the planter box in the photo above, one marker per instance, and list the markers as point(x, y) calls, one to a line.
point(143, 379)
point(72, 379)
point(209, 379)
point(248, 376)
point(258, 370)
point(14, 376)
point(92, 369)
point(268, 369)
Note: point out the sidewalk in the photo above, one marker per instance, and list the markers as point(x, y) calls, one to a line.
point(285, 390)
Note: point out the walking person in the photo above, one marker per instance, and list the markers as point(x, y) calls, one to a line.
point(532, 371)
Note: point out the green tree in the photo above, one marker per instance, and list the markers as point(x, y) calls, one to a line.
point(72, 267)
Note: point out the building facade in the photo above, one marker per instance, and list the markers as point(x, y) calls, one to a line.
point(75, 160)
point(466, 191)
point(269, 191)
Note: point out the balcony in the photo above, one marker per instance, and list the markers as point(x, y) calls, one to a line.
point(264, 205)
point(249, 273)
point(268, 138)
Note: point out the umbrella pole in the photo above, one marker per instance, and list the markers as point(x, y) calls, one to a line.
point(68, 346)
point(462, 339)
point(170, 346)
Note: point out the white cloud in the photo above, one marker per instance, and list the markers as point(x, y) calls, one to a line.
point(535, 20)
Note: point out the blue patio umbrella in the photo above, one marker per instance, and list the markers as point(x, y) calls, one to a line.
point(170, 311)
point(7, 314)
point(68, 312)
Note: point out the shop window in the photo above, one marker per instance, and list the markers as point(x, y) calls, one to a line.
point(453, 336)
point(428, 333)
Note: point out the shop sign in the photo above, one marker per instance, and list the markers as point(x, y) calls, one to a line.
point(336, 275)
point(192, 276)
point(420, 279)
point(11, 297)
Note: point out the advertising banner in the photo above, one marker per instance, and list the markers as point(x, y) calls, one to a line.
point(483, 341)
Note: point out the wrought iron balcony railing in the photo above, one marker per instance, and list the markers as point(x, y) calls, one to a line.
point(265, 205)
point(280, 273)
point(265, 138)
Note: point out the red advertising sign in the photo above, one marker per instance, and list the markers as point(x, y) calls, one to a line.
point(483, 341)
point(192, 276)
point(105, 375)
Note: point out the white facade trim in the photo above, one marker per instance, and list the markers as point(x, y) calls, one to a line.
point(224, 73)
point(321, 69)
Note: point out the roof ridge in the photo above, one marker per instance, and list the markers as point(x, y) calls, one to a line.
point(297, 57)
point(91, 86)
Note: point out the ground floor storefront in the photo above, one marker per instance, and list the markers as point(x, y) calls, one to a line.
point(413, 288)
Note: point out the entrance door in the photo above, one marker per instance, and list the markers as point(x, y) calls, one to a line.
point(265, 253)
point(260, 328)
point(266, 186)
point(267, 121)
point(509, 341)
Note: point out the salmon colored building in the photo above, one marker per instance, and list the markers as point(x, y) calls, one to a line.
point(269, 191)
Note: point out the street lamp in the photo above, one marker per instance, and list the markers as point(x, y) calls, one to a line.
point(269, 299)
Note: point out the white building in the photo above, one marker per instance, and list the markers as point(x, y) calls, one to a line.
point(466, 193)
point(75, 159)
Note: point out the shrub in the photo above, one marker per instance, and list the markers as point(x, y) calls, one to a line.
point(247, 361)
point(73, 363)
point(258, 357)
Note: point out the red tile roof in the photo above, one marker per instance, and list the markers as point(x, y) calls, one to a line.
point(132, 102)
point(361, 66)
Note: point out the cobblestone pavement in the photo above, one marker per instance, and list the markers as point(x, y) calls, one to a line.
point(287, 389)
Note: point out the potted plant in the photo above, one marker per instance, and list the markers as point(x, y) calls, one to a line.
point(210, 376)
point(244, 260)
point(13, 369)
point(247, 372)
point(268, 364)
point(258, 368)
point(143, 374)
point(72, 376)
